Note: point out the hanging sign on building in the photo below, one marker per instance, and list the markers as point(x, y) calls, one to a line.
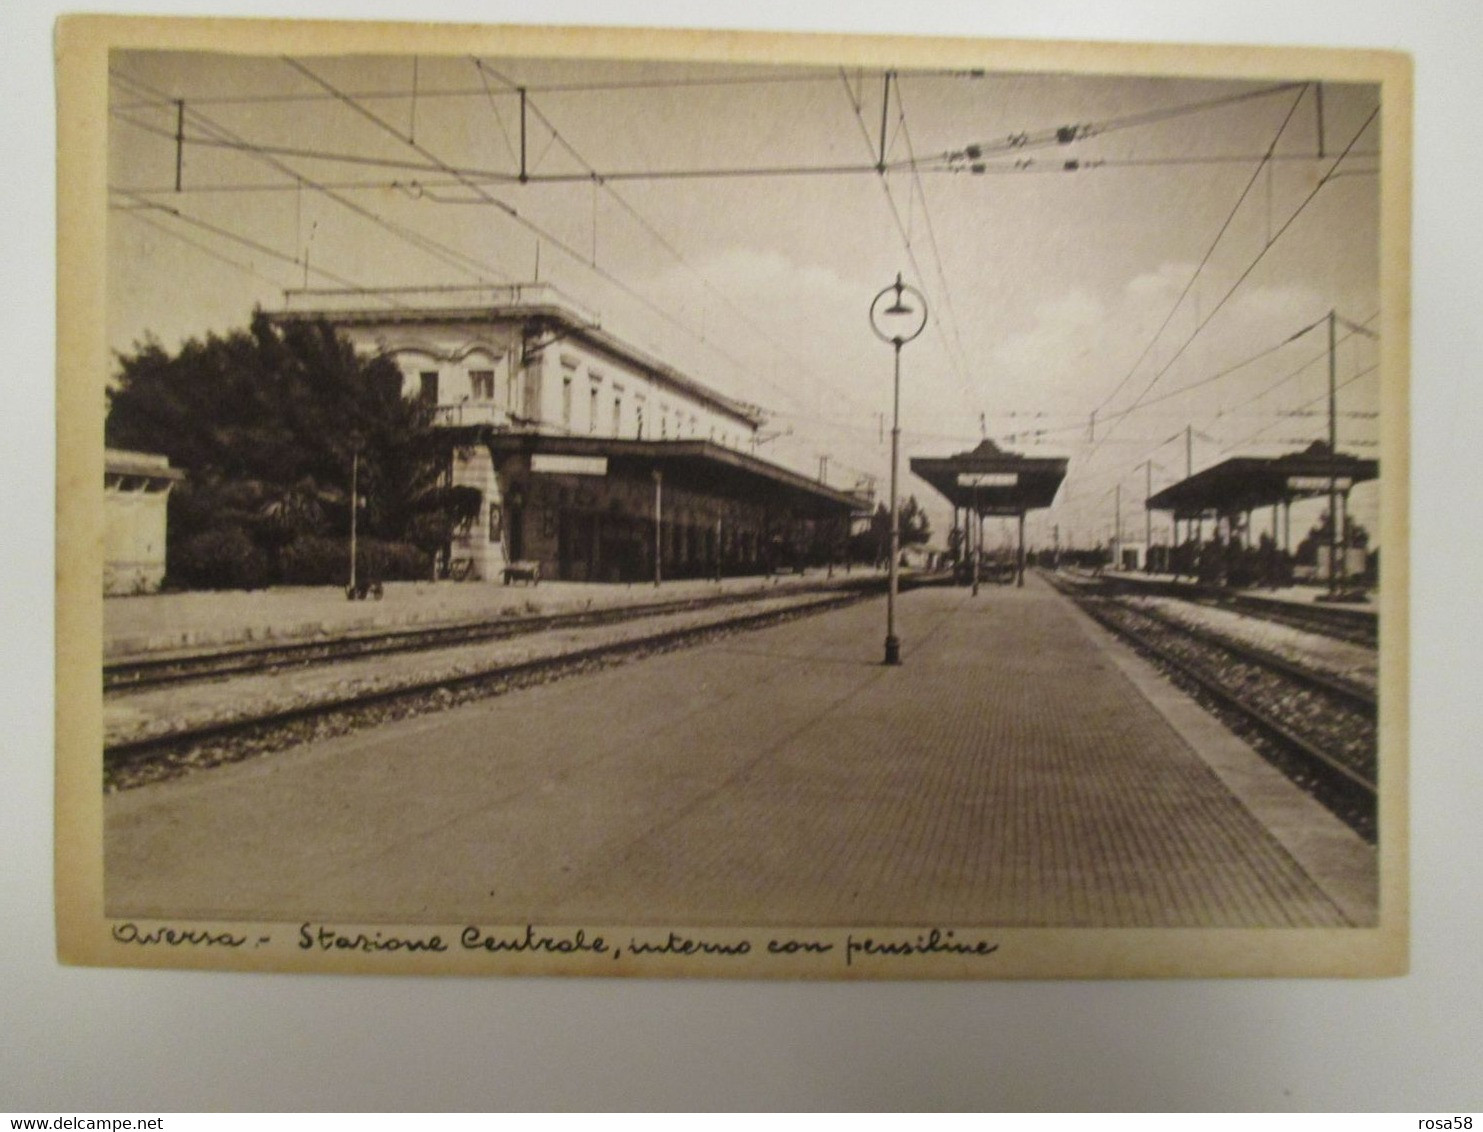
point(988, 479)
point(1319, 483)
point(549, 464)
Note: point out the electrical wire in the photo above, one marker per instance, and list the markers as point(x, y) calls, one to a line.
point(450, 257)
point(1252, 266)
point(659, 238)
point(1209, 251)
point(970, 400)
point(140, 214)
point(248, 242)
point(510, 212)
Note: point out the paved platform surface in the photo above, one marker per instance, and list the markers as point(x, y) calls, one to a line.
point(155, 623)
point(1017, 769)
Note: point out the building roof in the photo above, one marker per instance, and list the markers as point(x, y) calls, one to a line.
point(538, 306)
point(1246, 482)
point(122, 462)
point(992, 481)
point(700, 464)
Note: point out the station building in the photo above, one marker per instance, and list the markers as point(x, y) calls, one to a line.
point(594, 460)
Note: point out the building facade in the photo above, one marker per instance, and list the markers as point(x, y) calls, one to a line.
point(594, 460)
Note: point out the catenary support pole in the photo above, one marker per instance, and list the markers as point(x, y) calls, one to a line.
point(658, 525)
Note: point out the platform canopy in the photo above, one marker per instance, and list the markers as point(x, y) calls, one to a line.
point(1248, 482)
point(991, 481)
point(700, 464)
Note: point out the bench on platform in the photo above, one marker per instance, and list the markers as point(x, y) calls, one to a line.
point(523, 572)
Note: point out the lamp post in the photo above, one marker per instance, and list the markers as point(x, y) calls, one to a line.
point(896, 323)
point(356, 442)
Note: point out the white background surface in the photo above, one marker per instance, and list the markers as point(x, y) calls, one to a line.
point(80, 1040)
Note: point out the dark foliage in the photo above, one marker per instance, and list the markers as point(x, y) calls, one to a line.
point(223, 558)
point(317, 561)
point(873, 543)
point(265, 422)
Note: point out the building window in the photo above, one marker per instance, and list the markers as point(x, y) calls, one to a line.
point(496, 523)
point(428, 389)
point(592, 408)
point(481, 382)
point(566, 401)
point(638, 411)
point(664, 422)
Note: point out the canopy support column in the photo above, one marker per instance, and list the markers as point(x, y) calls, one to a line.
point(1019, 573)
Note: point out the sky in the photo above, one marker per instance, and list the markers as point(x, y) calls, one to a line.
point(1125, 251)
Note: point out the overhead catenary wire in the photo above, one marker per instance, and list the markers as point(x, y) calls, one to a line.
point(663, 241)
point(450, 257)
point(141, 213)
point(1205, 259)
point(971, 401)
point(974, 395)
point(1266, 247)
point(255, 245)
point(771, 79)
point(1350, 380)
point(1235, 411)
point(513, 214)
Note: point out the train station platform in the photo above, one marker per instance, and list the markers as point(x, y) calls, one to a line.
point(1018, 769)
point(144, 624)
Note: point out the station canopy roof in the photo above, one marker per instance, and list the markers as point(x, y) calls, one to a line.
point(993, 481)
point(701, 465)
point(1247, 482)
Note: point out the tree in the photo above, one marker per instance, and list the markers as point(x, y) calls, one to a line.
point(872, 544)
point(912, 522)
point(1322, 533)
point(266, 421)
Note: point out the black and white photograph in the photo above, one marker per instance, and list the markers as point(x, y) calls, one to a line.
point(754, 506)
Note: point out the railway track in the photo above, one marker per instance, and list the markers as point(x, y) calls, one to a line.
point(1355, 625)
point(139, 673)
point(1318, 730)
point(149, 757)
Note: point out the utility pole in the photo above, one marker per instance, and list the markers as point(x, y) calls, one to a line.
point(978, 523)
point(179, 139)
point(658, 525)
point(524, 176)
point(1147, 514)
point(880, 166)
point(1333, 457)
point(354, 507)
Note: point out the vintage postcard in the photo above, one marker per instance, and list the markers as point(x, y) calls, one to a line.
point(712, 504)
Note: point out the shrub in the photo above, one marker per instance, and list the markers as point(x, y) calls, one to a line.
point(317, 561)
point(221, 559)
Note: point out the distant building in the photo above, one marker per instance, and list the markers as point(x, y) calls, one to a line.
point(136, 490)
point(592, 457)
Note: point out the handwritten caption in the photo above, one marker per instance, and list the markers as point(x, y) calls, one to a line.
point(319, 938)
